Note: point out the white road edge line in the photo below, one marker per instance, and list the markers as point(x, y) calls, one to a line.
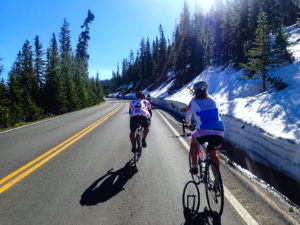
point(234, 202)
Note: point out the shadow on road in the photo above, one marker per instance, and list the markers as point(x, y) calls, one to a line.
point(191, 204)
point(108, 185)
point(200, 218)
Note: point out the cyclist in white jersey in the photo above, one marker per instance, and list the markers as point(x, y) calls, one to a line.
point(210, 127)
point(140, 113)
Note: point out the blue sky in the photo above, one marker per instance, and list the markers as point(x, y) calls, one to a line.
point(118, 27)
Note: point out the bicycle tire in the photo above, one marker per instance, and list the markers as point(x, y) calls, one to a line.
point(191, 192)
point(214, 188)
point(135, 159)
point(138, 138)
point(195, 177)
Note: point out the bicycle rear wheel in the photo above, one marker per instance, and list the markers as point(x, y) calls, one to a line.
point(195, 177)
point(135, 158)
point(214, 189)
point(190, 199)
point(138, 139)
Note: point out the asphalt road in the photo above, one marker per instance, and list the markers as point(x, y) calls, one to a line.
point(90, 180)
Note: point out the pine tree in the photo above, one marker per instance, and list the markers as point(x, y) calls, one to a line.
point(66, 67)
point(290, 10)
point(148, 61)
point(39, 64)
point(55, 94)
point(28, 78)
point(131, 70)
point(125, 66)
point(162, 53)
point(99, 89)
point(260, 52)
point(241, 30)
point(39, 68)
point(29, 84)
point(1, 67)
point(81, 51)
point(199, 44)
point(155, 58)
point(142, 61)
point(253, 10)
point(81, 62)
point(217, 32)
point(279, 48)
point(16, 100)
point(182, 47)
point(226, 34)
point(4, 110)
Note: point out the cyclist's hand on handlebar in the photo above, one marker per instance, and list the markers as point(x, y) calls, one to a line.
point(191, 127)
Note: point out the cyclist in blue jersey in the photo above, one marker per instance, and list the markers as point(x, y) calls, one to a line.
point(210, 127)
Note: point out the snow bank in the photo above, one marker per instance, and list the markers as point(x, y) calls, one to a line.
point(278, 153)
point(266, 125)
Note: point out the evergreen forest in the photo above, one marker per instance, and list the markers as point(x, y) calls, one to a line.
point(248, 34)
point(43, 83)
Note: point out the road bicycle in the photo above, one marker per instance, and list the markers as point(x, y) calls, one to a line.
point(209, 175)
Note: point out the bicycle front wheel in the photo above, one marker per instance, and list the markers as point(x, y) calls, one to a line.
point(138, 140)
point(214, 189)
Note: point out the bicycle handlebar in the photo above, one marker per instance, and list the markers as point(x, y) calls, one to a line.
point(191, 127)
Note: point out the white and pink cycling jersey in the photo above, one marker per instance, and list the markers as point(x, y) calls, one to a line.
point(140, 107)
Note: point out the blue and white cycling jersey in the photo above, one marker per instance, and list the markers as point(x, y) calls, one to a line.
point(206, 115)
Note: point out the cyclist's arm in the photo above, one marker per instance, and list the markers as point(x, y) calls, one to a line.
point(130, 108)
point(149, 108)
point(188, 115)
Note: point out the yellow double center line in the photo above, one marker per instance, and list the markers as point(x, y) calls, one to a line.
point(39, 161)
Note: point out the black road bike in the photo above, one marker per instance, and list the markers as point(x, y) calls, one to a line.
point(138, 139)
point(210, 176)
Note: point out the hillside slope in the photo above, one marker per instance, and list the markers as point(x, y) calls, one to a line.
point(266, 125)
point(277, 113)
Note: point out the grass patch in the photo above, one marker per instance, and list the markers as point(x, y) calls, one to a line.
point(20, 124)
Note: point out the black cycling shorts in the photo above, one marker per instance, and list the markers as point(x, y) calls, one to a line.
point(135, 120)
point(214, 141)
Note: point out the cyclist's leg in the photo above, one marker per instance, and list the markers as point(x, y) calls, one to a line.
point(146, 131)
point(194, 152)
point(214, 157)
point(146, 124)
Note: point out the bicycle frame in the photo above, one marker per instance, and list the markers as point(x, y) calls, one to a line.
point(203, 176)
